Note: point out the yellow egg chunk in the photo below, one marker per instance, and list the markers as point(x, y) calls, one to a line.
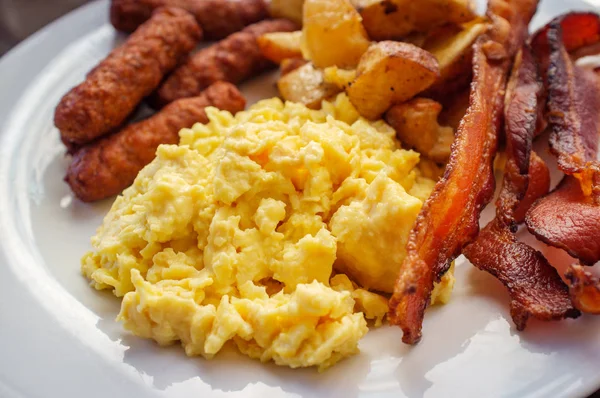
point(372, 233)
point(232, 236)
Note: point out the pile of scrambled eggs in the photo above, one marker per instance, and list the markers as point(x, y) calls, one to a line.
point(266, 230)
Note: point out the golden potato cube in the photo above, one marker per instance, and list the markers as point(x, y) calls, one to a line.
point(341, 78)
point(333, 34)
point(278, 46)
point(306, 86)
point(416, 125)
point(394, 19)
point(390, 73)
point(289, 9)
point(290, 64)
point(454, 54)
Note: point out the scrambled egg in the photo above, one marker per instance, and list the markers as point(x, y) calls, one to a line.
point(265, 230)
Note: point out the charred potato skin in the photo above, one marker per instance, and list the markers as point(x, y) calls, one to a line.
point(395, 19)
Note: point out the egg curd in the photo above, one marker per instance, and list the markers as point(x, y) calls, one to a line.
point(265, 230)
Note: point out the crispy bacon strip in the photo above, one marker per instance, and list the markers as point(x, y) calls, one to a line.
point(569, 218)
point(535, 287)
point(585, 289)
point(538, 186)
point(449, 218)
point(520, 115)
point(573, 96)
point(580, 34)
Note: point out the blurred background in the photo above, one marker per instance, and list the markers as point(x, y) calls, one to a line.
point(21, 18)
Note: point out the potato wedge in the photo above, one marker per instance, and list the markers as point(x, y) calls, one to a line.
point(454, 54)
point(306, 86)
point(278, 46)
point(416, 125)
point(390, 73)
point(341, 78)
point(394, 19)
point(333, 34)
point(289, 9)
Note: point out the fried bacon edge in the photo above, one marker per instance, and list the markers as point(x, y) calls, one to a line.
point(585, 289)
point(569, 217)
point(573, 96)
point(535, 287)
point(450, 217)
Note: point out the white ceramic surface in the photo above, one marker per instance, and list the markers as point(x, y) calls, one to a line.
point(58, 337)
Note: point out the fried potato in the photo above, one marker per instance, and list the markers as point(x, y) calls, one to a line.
point(278, 46)
point(394, 19)
point(341, 78)
point(454, 54)
point(455, 107)
point(289, 9)
point(333, 34)
point(416, 125)
point(390, 73)
point(306, 86)
point(291, 64)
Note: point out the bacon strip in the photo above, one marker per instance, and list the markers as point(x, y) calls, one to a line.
point(580, 34)
point(573, 96)
point(520, 114)
point(569, 218)
point(535, 287)
point(449, 218)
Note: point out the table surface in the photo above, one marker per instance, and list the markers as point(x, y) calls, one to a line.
point(21, 18)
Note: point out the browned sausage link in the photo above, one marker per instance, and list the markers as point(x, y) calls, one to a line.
point(105, 167)
point(233, 59)
point(218, 18)
point(114, 88)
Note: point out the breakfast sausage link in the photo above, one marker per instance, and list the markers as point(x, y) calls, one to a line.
point(114, 88)
point(105, 167)
point(233, 59)
point(218, 18)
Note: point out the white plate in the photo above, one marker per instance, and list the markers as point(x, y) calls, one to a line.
point(58, 337)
